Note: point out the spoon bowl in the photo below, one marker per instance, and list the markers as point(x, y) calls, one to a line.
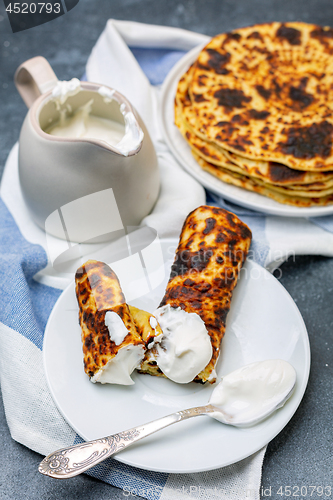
point(250, 394)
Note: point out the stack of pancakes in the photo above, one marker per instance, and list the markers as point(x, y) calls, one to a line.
point(256, 108)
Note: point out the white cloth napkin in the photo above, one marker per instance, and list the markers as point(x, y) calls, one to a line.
point(32, 416)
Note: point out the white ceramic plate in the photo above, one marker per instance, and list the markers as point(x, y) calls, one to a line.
point(263, 323)
point(182, 153)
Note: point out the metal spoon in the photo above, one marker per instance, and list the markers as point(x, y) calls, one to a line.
point(73, 460)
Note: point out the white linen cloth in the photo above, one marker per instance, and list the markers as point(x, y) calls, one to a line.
point(31, 414)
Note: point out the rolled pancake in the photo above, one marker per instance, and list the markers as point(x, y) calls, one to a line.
point(106, 358)
point(212, 248)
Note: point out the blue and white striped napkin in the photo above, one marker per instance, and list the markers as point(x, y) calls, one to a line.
point(30, 287)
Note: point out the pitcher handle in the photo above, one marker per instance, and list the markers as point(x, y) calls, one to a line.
point(33, 78)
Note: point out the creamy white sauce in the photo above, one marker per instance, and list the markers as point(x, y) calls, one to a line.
point(119, 368)
point(133, 134)
point(158, 335)
point(212, 376)
point(185, 348)
point(155, 340)
point(82, 124)
point(251, 392)
point(64, 89)
point(106, 93)
point(153, 322)
point(116, 327)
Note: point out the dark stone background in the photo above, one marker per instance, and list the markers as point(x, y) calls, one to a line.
point(302, 453)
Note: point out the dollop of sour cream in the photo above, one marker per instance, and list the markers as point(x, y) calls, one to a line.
point(185, 348)
point(116, 327)
point(153, 322)
point(250, 393)
point(119, 368)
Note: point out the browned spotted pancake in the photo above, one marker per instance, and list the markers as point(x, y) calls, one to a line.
point(98, 291)
point(212, 248)
point(267, 171)
point(264, 92)
point(252, 184)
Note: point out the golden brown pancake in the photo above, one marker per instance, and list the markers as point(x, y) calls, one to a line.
point(270, 173)
point(98, 291)
point(212, 248)
point(264, 92)
point(254, 185)
point(144, 321)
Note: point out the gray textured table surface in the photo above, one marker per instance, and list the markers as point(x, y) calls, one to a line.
point(302, 453)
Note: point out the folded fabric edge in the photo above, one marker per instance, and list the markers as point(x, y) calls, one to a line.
point(137, 34)
point(40, 427)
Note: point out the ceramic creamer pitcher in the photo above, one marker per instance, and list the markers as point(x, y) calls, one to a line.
point(56, 171)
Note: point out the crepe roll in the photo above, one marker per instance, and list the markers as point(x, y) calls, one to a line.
point(212, 248)
point(112, 345)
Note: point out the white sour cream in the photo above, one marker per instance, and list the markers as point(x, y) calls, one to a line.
point(118, 369)
point(106, 93)
point(65, 89)
point(116, 327)
point(185, 348)
point(153, 322)
point(133, 133)
point(82, 124)
point(249, 394)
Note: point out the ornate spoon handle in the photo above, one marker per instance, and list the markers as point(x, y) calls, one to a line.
point(73, 460)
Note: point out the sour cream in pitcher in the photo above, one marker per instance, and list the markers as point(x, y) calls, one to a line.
point(82, 124)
